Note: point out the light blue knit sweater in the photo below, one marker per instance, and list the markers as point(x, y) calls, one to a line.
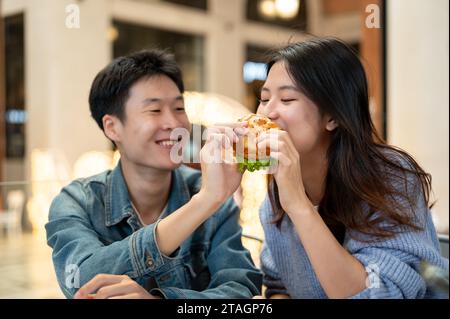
point(392, 264)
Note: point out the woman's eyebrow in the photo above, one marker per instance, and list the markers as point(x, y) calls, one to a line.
point(281, 88)
point(287, 87)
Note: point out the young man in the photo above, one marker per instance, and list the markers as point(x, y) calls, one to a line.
point(149, 228)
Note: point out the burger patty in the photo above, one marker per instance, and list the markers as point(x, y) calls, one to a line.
point(257, 124)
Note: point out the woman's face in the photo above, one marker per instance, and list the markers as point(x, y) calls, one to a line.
point(283, 103)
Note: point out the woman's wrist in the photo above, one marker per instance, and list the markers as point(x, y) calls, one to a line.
point(301, 207)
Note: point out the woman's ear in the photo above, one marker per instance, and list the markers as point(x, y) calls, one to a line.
point(331, 124)
point(111, 127)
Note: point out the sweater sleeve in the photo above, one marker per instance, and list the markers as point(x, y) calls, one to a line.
point(271, 278)
point(393, 265)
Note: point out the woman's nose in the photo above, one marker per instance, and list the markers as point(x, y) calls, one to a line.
point(269, 110)
point(273, 115)
point(271, 106)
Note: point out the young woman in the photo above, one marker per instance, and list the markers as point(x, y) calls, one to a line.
point(347, 215)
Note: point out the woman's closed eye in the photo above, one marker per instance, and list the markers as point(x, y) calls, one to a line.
point(286, 101)
point(263, 101)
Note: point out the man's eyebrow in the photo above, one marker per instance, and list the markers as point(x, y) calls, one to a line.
point(150, 100)
point(158, 100)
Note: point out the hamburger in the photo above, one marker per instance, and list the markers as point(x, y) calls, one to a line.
point(246, 150)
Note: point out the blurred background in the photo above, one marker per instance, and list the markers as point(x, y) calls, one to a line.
point(50, 51)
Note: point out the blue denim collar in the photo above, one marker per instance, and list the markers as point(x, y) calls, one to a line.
point(118, 204)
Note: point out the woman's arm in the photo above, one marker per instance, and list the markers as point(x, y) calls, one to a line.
point(340, 274)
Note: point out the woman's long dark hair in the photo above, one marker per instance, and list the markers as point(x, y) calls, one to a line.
point(368, 183)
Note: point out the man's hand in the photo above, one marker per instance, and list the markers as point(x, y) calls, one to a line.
point(220, 173)
point(220, 179)
point(105, 286)
point(274, 296)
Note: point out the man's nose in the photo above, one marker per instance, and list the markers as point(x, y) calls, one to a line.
point(170, 121)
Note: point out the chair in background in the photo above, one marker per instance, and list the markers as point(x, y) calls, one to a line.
point(11, 218)
point(443, 241)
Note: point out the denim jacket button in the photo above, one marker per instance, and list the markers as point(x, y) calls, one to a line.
point(150, 262)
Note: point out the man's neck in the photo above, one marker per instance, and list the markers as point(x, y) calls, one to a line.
point(148, 189)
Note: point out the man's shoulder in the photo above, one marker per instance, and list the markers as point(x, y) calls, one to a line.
point(100, 178)
point(80, 188)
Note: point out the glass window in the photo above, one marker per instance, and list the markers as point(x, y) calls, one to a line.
point(188, 49)
point(198, 4)
point(254, 71)
point(15, 113)
point(285, 13)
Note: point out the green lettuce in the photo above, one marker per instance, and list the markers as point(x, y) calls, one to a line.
point(253, 165)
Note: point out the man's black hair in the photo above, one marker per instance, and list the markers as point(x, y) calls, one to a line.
point(110, 88)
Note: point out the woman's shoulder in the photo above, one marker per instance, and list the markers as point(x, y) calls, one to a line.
point(403, 172)
point(393, 159)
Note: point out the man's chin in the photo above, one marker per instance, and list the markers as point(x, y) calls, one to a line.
point(167, 166)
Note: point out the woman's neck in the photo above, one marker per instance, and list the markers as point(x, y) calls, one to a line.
point(314, 172)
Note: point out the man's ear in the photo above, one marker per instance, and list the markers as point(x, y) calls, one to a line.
point(331, 124)
point(112, 127)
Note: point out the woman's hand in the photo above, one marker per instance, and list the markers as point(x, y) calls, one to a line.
point(286, 171)
point(105, 286)
point(220, 174)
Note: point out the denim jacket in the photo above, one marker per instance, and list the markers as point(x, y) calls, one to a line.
point(93, 229)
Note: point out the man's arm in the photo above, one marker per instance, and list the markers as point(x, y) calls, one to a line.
point(220, 180)
point(178, 226)
point(79, 254)
point(233, 274)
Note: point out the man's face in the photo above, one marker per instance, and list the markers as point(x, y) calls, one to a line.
point(154, 108)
